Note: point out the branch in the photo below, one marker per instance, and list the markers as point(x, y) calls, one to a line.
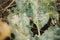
point(8, 6)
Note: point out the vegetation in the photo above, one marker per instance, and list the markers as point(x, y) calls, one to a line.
point(32, 19)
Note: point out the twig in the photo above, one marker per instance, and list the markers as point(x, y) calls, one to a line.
point(8, 6)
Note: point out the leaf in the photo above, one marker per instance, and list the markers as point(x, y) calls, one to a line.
point(43, 19)
point(53, 30)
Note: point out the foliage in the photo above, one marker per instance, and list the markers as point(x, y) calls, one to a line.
point(40, 11)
